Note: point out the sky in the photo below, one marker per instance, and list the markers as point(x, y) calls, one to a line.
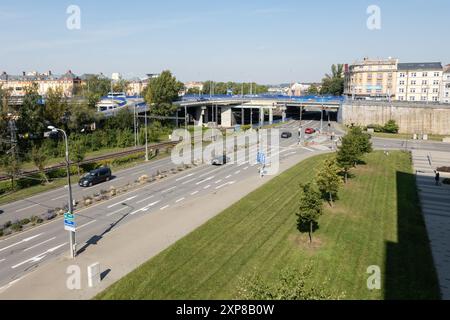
point(266, 41)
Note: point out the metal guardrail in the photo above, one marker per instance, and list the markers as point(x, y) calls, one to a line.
point(92, 160)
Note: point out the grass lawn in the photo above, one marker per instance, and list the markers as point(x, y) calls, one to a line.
point(377, 221)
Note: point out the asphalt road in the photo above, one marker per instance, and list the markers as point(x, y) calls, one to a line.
point(26, 251)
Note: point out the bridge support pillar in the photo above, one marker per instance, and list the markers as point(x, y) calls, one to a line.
point(261, 116)
point(270, 115)
point(226, 117)
point(242, 117)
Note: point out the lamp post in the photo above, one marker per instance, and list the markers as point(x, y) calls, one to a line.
point(146, 137)
point(69, 188)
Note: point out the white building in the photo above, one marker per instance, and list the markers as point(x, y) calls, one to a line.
point(445, 87)
point(419, 81)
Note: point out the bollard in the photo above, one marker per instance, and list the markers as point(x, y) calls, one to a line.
point(94, 274)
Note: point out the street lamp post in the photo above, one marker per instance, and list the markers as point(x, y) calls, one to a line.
point(146, 137)
point(69, 187)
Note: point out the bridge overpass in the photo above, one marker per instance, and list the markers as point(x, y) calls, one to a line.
point(228, 111)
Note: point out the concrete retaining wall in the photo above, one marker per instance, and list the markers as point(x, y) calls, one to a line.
point(428, 119)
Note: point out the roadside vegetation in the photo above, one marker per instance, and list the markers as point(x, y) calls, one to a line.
point(263, 246)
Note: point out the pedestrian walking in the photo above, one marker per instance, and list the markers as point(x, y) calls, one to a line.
point(437, 178)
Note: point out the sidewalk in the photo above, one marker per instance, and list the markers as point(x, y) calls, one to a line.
point(435, 203)
point(125, 248)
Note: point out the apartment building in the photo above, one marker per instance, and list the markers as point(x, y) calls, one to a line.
point(445, 86)
point(371, 78)
point(18, 83)
point(419, 81)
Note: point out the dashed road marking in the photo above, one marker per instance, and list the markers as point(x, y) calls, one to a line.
point(218, 181)
point(207, 187)
point(86, 224)
point(145, 199)
point(54, 199)
point(120, 202)
point(117, 211)
point(39, 257)
point(163, 208)
point(187, 176)
point(23, 209)
point(37, 245)
point(167, 190)
point(179, 200)
point(207, 179)
point(24, 240)
point(237, 172)
point(195, 192)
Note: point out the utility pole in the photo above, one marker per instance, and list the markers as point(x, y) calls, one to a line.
point(146, 137)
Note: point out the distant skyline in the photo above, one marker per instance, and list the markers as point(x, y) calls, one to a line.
point(264, 41)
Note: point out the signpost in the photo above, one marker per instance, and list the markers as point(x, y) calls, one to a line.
point(69, 222)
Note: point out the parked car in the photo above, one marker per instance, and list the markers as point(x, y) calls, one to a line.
point(95, 176)
point(220, 160)
point(286, 135)
point(310, 130)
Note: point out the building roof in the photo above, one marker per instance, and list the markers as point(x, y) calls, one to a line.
point(38, 77)
point(420, 66)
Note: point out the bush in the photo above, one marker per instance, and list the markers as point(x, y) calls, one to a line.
point(25, 221)
point(391, 127)
point(7, 224)
point(16, 227)
point(376, 127)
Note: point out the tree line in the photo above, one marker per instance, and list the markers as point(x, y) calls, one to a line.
point(329, 178)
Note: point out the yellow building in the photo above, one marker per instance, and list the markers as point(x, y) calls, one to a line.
point(371, 78)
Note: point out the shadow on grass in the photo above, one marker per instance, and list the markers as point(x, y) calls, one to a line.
point(410, 272)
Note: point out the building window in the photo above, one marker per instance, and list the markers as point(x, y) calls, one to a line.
point(424, 90)
point(436, 74)
point(435, 99)
point(401, 90)
point(435, 90)
point(412, 90)
point(413, 74)
point(402, 75)
point(401, 98)
point(402, 82)
point(413, 82)
point(412, 98)
point(424, 82)
point(436, 82)
point(424, 98)
point(425, 74)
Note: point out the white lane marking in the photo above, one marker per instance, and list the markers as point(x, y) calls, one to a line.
point(207, 179)
point(139, 172)
point(64, 196)
point(308, 149)
point(225, 184)
point(195, 192)
point(24, 240)
point(1, 260)
point(291, 153)
point(117, 211)
point(209, 172)
point(237, 172)
point(116, 204)
point(145, 199)
point(39, 257)
point(218, 181)
point(23, 209)
point(163, 208)
point(245, 168)
point(207, 186)
point(37, 245)
point(86, 224)
point(150, 205)
point(187, 176)
point(186, 182)
point(228, 176)
point(167, 190)
point(179, 200)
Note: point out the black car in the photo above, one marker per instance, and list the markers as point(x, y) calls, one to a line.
point(286, 135)
point(220, 160)
point(95, 176)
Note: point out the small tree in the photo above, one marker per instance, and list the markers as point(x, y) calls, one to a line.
point(362, 140)
point(11, 166)
point(78, 153)
point(391, 127)
point(348, 154)
point(310, 209)
point(328, 179)
point(40, 158)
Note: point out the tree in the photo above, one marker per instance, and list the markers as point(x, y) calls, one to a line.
point(391, 127)
point(11, 165)
point(78, 153)
point(81, 115)
point(291, 284)
point(348, 154)
point(313, 90)
point(328, 179)
point(334, 83)
point(362, 140)
point(55, 107)
point(161, 92)
point(40, 158)
point(310, 209)
point(121, 85)
point(96, 86)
